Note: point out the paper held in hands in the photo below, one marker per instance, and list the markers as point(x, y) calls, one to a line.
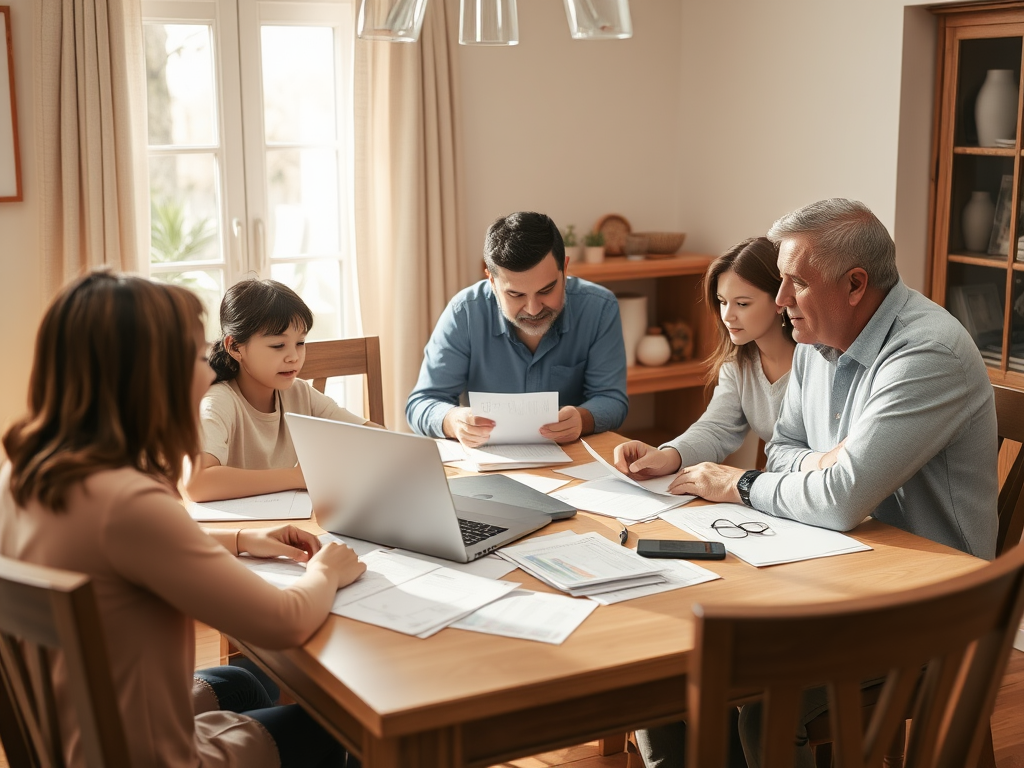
point(657, 485)
point(787, 541)
point(517, 417)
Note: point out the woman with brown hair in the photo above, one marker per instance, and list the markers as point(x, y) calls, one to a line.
point(90, 486)
point(750, 364)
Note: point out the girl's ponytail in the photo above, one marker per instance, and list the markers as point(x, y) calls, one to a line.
point(223, 364)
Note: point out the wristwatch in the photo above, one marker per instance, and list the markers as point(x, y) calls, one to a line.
point(745, 482)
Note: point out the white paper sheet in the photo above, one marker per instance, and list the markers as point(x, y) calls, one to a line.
point(517, 417)
point(286, 505)
point(580, 561)
point(593, 470)
point(792, 541)
point(678, 574)
point(538, 482)
point(529, 616)
point(503, 457)
point(613, 498)
point(487, 567)
point(427, 603)
point(657, 485)
point(450, 450)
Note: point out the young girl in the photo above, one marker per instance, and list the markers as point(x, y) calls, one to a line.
point(247, 449)
point(751, 364)
point(119, 370)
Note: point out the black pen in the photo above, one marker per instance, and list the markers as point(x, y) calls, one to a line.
point(623, 535)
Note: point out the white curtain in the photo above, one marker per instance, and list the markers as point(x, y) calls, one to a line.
point(408, 194)
point(95, 190)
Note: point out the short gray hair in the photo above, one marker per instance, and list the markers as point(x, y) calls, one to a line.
point(842, 234)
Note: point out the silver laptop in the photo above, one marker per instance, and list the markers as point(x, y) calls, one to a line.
point(391, 489)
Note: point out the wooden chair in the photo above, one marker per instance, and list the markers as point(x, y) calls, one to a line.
point(43, 610)
point(1010, 418)
point(960, 632)
point(348, 357)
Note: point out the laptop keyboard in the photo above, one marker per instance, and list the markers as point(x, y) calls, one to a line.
point(474, 532)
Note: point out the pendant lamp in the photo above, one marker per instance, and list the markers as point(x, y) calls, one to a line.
point(599, 19)
point(488, 22)
point(395, 21)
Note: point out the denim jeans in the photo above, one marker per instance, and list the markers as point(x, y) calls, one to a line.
point(301, 741)
point(664, 746)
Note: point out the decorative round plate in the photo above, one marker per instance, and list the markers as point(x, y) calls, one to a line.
point(614, 228)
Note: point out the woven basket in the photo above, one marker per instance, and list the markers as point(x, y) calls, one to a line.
point(662, 243)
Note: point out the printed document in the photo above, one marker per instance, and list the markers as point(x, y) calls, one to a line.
point(613, 498)
point(584, 564)
point(450, 450)
point(524, 456)
point(788, 542)
point(286, 505)
point(413, 596)
point(517, 417)
point(529, 616)
point(678, 574)
point(657, 485)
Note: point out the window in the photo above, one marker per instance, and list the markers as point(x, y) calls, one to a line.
point(250, 114)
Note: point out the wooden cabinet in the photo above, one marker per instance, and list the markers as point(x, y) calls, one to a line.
point(979, 277)
point(678, 388)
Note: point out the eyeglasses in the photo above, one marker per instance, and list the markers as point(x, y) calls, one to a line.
point(731, 530)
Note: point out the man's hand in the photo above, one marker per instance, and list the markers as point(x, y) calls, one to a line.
point(641, 461)
point(568, 427)
point(282, 541)
point(472, 431)
point(714, 482)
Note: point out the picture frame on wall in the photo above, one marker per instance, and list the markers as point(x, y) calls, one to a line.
point(10, 154)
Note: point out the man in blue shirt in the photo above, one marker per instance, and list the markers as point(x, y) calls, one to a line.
point(527, 328)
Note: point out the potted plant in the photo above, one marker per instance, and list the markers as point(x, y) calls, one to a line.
point(594, 251)
point(572, 247)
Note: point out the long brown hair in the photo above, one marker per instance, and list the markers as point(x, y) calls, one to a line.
point(756, 260)
point(111, 387)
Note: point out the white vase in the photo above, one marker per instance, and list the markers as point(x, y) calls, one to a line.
point(572, 252)
point(633, 312)
point(977, 221)
point(593, 254)
point(653, 348)
point(995, 111)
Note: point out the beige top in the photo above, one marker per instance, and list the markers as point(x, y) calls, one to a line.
point(240, 436)
point(153, 571)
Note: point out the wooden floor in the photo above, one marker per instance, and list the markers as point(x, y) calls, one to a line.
point(1007, 721)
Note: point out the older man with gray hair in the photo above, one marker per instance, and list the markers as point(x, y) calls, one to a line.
point(889, 411)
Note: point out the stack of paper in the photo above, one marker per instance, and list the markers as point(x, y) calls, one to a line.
point(584, 565)
point(504, 457)
point(529, 616)
point(286, 505)
point(788, 542)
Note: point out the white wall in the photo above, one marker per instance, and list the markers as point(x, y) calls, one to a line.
point(716, 118)
point(575, 129)
point(21, 299)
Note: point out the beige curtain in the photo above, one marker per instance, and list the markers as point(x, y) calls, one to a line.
point(95, 197)
point(407, 189)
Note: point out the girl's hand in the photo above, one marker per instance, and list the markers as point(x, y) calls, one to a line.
point(340, 562)
point(640, 460)
point(282, 541)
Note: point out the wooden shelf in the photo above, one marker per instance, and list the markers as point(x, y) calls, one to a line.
point(979, 260)
point(621, 268)
point(641, 379)
point(986, 151)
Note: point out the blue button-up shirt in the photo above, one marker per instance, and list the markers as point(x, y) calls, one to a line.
point(913, 401)
point(474, 348)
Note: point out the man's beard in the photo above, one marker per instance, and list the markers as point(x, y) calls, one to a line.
point(535, 329)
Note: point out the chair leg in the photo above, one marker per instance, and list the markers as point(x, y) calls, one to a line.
point(823, 755)
point(987, 756)
point(898, 751)
point(612, 744)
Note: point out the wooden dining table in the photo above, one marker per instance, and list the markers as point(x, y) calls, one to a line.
point(462, 698)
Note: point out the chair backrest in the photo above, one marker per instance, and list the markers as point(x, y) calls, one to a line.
point(964, 626)
point(1010, 415)
point(43, 610)
point(348, 357)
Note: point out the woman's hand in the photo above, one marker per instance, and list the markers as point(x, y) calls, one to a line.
point(282, 541)
point(641, 461)
point(338, 561)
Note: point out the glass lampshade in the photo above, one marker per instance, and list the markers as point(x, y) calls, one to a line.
point(488, 22)
point(396, 21)
point(599, 19)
